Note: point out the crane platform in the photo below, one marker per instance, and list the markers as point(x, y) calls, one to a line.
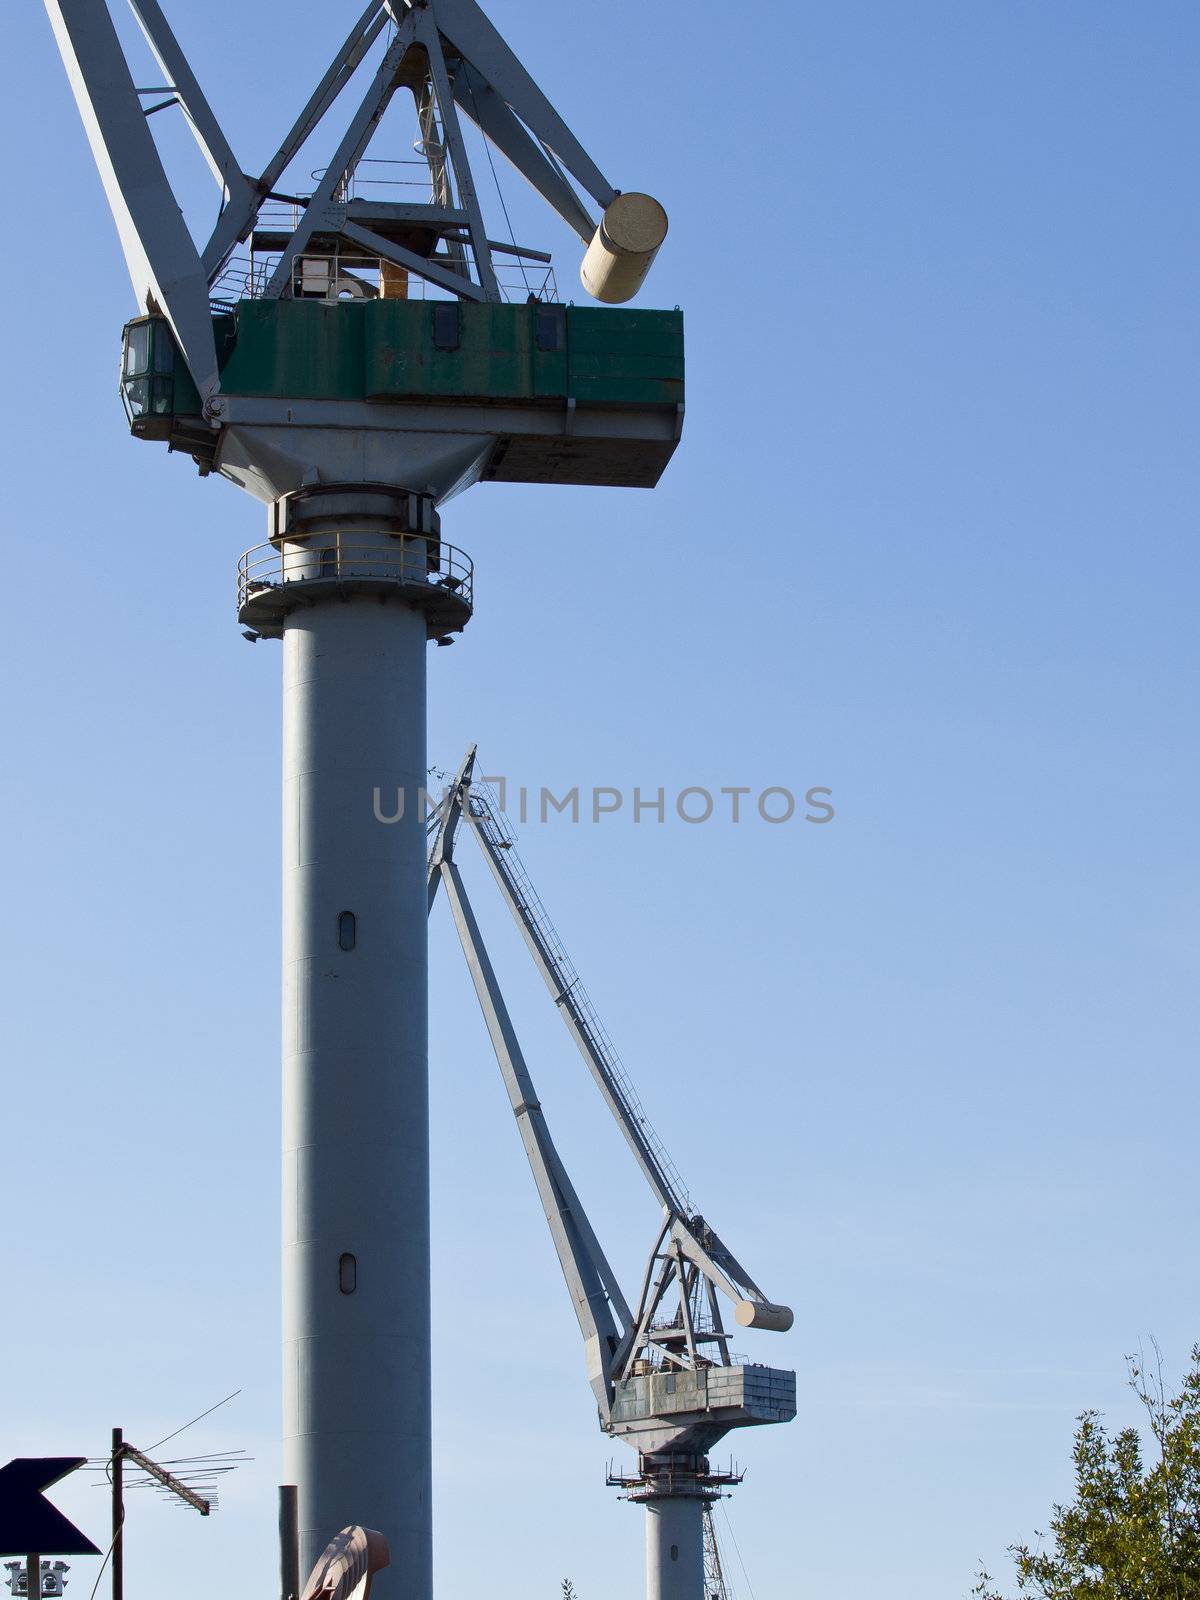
point(715, 1398)
point(566, 394)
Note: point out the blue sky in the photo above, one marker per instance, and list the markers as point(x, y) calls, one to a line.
point(928, 541)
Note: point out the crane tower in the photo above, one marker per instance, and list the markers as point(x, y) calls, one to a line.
point(665, 1378)
point(352, 349)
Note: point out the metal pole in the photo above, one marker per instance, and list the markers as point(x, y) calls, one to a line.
point(355, 1080)
point(675, 1548)
point(289, 1547)
point(118, 1514)
point(33, 1577)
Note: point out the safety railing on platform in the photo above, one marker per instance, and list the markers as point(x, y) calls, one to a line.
point(412, 560)
point(336, 276)
point(372, 174)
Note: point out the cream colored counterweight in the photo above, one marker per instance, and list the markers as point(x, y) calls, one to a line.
point(623, 248)
point(762, 1314)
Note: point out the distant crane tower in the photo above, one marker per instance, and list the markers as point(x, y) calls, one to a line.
point(664, 1377)
point(344, 349)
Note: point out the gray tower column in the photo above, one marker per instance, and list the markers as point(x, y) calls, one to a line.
point(355, 1077)
point(675, 1547)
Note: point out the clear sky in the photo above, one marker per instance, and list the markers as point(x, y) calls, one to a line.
point(928, 541)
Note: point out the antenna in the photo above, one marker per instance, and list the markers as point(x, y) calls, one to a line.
point(193, 1483)
point(353, 350)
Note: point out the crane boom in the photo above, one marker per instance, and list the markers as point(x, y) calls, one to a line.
point(595, 1293)
point(572, 1000)
point(687, 1243)
point(716, 1584)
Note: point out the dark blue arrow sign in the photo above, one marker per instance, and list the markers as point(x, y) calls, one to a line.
point(30, 1524)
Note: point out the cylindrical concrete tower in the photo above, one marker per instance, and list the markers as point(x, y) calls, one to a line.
point(675, 1547)
point(674, 1487)
point(355, 1082)
point(357, 580)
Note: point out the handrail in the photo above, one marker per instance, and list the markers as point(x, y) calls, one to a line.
point(411, 560)
point(245, 277)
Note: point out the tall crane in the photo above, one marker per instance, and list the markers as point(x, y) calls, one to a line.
point(660, 1366)
point(352, 353)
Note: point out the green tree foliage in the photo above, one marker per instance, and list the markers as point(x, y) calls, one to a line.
point(568, 1590)
point(1133, 1530)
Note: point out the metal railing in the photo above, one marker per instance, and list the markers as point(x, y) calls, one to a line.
point(412, 560)
point(245, 277)
point(388, 173)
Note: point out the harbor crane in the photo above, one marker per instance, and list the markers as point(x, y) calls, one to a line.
point(664, 1377)
point(353, 345)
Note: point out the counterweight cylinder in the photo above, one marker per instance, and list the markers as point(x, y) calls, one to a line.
point(355, 1081)
point(623, 247)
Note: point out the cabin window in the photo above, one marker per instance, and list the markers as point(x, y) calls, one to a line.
point(447, 333)
point(551, 328)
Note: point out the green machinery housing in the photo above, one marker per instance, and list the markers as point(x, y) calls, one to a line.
point(622, 368)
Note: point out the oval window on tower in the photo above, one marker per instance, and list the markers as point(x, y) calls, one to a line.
point(347, 931)
point(347, 1273)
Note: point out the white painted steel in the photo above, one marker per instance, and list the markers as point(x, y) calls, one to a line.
point(162, 260)
point(355, 1083)
point(675, 1548)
